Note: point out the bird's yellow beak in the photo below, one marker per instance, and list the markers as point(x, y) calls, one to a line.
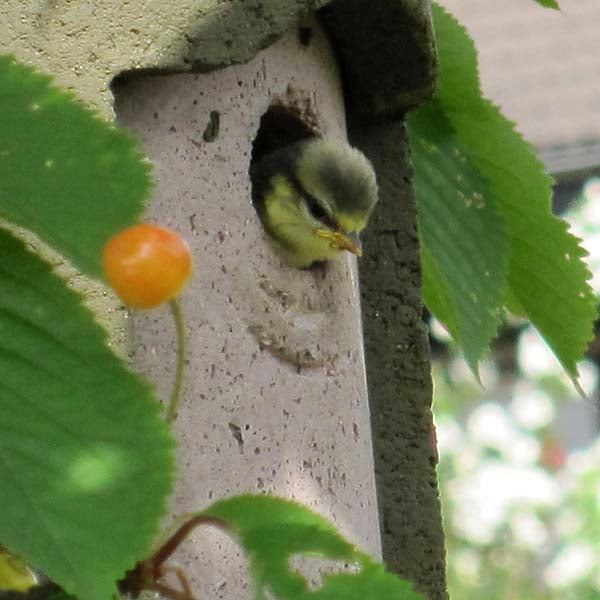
point(343, 241)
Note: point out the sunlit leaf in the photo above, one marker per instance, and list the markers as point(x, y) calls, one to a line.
point(272, 531)
point(86, 462)
point(65, 174)
point(547, 278)
point(465, 250)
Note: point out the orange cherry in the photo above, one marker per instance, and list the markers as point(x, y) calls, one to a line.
point(147, 265)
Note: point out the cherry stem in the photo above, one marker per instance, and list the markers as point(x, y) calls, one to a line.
point(165, 551)
point(181, 359)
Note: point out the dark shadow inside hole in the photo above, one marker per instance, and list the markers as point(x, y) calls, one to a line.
point(279, 127)
point(305, 35)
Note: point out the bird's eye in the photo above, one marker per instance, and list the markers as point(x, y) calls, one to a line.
point(315, 209)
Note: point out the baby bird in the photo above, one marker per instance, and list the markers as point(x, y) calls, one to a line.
point(313, 198)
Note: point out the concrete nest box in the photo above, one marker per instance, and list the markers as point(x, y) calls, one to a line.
point(275, 397)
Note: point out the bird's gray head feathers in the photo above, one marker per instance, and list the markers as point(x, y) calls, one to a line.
point(338, 175)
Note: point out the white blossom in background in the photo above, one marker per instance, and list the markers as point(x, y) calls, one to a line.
point(531, 407)
point(529, 531)
point(449, 434)
point(583, 461)
point(536, 360)
point(535, 357)
point(490, 425)
point(484, 500)
point(460, 372)
point(588, 376)
point(584, 219)
point(570, 565)
point(438, 331)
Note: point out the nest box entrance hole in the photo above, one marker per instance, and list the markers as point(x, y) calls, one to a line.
point(285, 122)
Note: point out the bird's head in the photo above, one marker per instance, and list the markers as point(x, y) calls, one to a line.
point(318, 195)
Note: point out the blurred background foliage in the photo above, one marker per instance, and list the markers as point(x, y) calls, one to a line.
point(520, 458)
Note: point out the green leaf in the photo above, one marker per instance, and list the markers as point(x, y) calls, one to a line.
point(371, 583)
point(549, 3)
point(464, 250)
point(547, 276)
point(86, 463)
point(66, 175)
point(273, 530)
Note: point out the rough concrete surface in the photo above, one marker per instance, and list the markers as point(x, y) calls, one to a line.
point(399, 372)
point(275, 395)
point(382, 44)
point(86, 44)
